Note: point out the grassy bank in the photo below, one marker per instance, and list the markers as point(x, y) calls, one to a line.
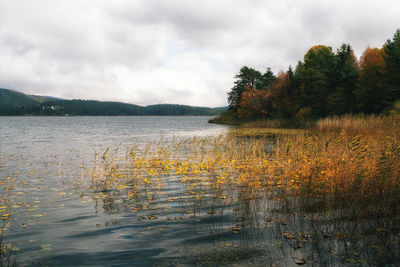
point(227, 117)
point(230, 118)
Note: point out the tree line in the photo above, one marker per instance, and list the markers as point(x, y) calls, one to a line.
point(325, 83)
point(16, 103)
point(106, 108)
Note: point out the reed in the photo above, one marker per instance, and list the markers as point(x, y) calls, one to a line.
point(343, 163)
point(277, 124)
point(358, 124)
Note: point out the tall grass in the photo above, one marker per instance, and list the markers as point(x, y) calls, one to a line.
point(357, 171)
point(343, 163)
point(358, 124)
point(277, 123)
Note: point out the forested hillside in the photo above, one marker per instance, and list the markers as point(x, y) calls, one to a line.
point(325, 83)
point(16, 103)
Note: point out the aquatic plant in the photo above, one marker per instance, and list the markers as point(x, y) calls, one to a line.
point(340, 178)
point(340, 161)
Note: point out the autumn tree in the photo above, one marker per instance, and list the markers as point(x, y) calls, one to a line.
point(255, 104)
point(325, 83)
point(284, 95)
point(372, 94)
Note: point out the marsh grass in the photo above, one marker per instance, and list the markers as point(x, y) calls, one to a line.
point(341, 163)
point(341, 177)
point(359, 124)
point(277, 124)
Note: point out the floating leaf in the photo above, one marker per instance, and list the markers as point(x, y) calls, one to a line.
point(288, 236)
point(46, 247)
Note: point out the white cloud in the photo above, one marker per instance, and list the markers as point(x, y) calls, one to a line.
point(176, 51)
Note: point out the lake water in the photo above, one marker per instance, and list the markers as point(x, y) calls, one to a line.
point(55, 217)
point(50, 223)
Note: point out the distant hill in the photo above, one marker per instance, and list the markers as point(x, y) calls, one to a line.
point(11, 98)
point(17, 103)
point(181, 110)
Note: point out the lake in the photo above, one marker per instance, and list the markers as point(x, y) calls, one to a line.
point(50, 223)
point(156, 205)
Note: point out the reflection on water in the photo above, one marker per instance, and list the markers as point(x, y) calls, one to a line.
point(153, 213)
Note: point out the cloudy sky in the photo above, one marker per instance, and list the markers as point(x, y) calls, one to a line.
point(172, 51)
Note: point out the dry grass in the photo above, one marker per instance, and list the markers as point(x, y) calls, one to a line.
point(358, 124)
point(276, 124)
point(357, 171)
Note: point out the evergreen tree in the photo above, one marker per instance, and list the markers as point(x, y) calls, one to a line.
point(317, 78)
point(267, 79)
point(341, 100)
point(247, 77)
point(392, 58)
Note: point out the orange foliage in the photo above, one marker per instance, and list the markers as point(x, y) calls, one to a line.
point(372, 57)
point(279, 84)
point(253, 102)
point(318, 47)
point(260, 103)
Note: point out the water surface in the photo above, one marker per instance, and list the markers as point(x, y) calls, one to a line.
point(57, 216)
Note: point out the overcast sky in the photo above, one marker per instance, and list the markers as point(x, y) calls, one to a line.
point(172, 51)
